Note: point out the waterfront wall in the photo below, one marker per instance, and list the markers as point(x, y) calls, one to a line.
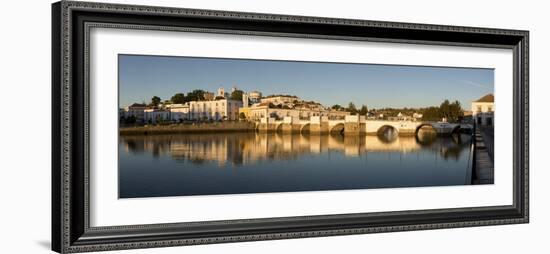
point(352, 125)
point(189, 128)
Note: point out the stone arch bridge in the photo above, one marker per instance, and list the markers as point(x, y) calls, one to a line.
point(353, 125)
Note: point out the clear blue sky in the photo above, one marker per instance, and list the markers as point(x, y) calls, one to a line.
point(377, 86)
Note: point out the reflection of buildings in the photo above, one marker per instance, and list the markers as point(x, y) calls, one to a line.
point(483, 110)
point(249, 148)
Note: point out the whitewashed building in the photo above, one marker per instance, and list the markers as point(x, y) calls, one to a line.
point(263, 110)
point(254, 96)
point(417, 116)
point(154, 115)
point(179, 112)
point(483, 110)
point(222, 109)
point(136, 110)
point(279, 99)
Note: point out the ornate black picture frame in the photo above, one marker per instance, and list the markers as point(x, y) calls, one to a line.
point(71, 231)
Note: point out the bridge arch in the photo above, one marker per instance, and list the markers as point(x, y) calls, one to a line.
point(456, 130)
point(387, 133)
point(425, 134)
point(279, 127)
point(337, 128)
point(428, 126)
point(387, 127)
point(455, 134)
point(305, 128)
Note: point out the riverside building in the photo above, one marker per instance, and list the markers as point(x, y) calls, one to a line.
point(221, 109)
point(269, 110)
point(483, 110)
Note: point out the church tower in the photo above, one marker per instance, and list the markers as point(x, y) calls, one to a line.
point(221, 92)
point(245, 100)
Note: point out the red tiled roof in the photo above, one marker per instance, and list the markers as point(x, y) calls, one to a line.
point(137, 105)
point(487, 98)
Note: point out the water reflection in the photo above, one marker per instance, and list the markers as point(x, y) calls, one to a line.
point(250, 148)
point(232, 163)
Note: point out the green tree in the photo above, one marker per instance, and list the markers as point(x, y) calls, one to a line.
point(352, 109)
point(364, 110)
point(242, 116)
point(452, 111)
point(336, 107)
point(178, 98)
point(456, 111)
point(131, 120)
point(195, 95)
point(237, 95)
point(431, 114)
point(445, 108)
point(155, 101)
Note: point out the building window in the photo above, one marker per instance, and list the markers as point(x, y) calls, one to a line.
point(478, 108)
point(489, 109)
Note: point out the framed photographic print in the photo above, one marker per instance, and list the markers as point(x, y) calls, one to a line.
point(181, 126)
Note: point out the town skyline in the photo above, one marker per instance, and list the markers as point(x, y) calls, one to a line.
point(377, 86)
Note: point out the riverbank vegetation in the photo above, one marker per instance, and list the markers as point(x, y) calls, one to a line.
point(452, 111)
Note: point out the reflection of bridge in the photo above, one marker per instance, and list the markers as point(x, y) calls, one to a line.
point(247, 148)
point(353, 125)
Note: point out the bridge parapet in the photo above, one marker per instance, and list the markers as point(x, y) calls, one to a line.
point(291, 124)
point(318, 125)
point(353, 125)
point(267, 124)
point(350, 125)
point(318, 119)
point(445, 128)
point(351, 119)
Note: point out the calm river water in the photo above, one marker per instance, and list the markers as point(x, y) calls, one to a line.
point(231, 163)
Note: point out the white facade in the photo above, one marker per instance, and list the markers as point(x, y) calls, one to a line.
point(136, 110)
point(417, 116)
point(179, 112)
point(214, 110)
point(156, 115)
point(221, 92)
point(255, 96)
point(245, 100)
point(483, 110)
point(483, 113)
point(258, 112)
point(279, 99)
